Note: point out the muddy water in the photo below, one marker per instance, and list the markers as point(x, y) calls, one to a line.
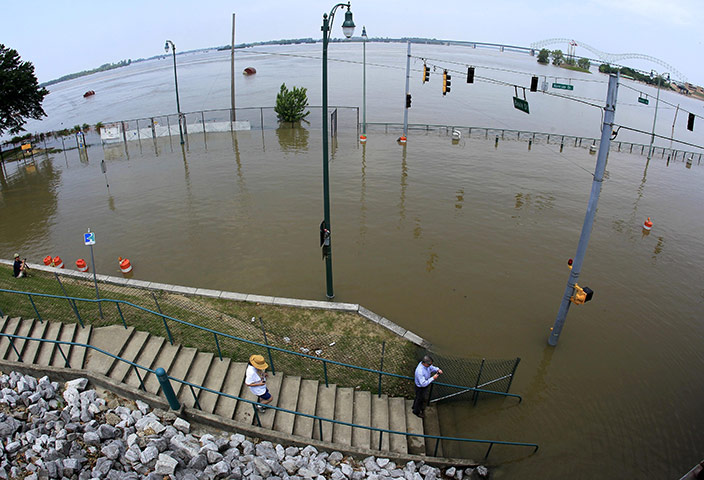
point(464, 244)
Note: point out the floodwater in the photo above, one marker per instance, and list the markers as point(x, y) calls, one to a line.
point(465, 244)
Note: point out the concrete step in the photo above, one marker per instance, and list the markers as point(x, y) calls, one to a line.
point(380, 419)
point(431, 426)
point(273, 383)
point(25, 330)
point(288, 398)
point(196, 375)
point(30, 353)
point(307, 400)
point(165, 359)
point(10, 327)
point(130, 352)
point(325, 408)
point(416, 445)
point(233, 385)
point(45, 352)
point(214, 380)
point(78, 354)
point(110, 339)
point(397, 423)
point(146, 359)
point(362, 415)
point(344, 404)
point(68, 332)
point(180, 367)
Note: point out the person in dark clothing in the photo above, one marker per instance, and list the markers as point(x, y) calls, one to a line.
point(19, 267)
point(425, 374)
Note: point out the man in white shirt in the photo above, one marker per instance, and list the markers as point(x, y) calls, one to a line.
point(425, 374)
point(255, 379)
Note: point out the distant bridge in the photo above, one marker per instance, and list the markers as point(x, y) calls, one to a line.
point(611, 57)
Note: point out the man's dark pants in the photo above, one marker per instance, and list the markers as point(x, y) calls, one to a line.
point(421, 398)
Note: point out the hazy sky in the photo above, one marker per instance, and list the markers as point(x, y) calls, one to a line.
point(65, 37)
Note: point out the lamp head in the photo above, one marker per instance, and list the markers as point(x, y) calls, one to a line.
point(348, 24)
point(166, 46)
point(364, 32)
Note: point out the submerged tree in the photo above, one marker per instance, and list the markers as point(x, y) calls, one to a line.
point(558, 57)
point(544, 55)
point(291, 104)
point(20, 94)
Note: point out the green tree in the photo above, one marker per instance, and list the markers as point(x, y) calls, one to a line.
point(558, 58)
point(20, 94)
point(85, 127)
point(98, 126)
point(544, 56)
point(291, 104)
point(584, 63)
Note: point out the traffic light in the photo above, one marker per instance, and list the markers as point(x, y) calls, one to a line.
point(446, 82)
point(426, 74)
point(534, 84)
point(408, 100)
point(470, 75)
point(690, 122)
point(581, 295)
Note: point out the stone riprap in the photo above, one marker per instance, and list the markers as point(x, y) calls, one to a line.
point(48, 430)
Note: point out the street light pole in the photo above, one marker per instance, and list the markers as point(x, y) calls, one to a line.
point(178, 104)
point(348, 30)
point(655, 116)
point(364, 85)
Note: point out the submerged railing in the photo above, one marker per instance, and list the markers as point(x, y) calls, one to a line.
point(164, 381)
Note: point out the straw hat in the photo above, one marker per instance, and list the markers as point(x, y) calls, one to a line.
point(258, 362)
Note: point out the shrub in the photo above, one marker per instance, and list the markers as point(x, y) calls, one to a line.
point(291, 104)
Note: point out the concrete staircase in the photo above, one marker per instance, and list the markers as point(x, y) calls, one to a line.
point(201, 368)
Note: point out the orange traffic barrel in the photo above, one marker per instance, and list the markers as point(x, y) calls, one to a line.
point(647, 225)
point(81, 265)
point(125, 266)
point(48, 261)
point(362, 138)
point(58, 263)
point(402, 139)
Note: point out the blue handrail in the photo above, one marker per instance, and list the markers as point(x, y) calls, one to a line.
point(174, 402)
point(464, 388)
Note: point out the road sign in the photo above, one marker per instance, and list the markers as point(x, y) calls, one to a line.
point(26, 146)
point(643, 100)
point(89, 238)
point(520, 104)
point(563, 86)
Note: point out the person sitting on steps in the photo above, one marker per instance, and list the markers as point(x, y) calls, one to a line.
point(19, 267)
point(255, 379)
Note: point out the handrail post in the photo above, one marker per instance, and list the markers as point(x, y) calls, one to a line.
point(320, 428)
point(71, 303)
point(166, 326)
point(66, 364)
point(381, 367)
point(217, 344)
point(141, 382)
point(256, 415)
point(19, 357)
point(268, 350)
point(195, 397)
point(437, 444)
point(168, 390)
point(325, 372)
point(121, 316)
point(513, 372)
point(381, 432)
point(476, 394)
point(491, 445)
point(35, 308)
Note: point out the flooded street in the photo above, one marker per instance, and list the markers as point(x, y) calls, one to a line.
point(465, 244)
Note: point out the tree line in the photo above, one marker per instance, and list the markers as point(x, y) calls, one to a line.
point(559, 58)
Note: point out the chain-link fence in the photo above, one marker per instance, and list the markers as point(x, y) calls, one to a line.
point(330, 337)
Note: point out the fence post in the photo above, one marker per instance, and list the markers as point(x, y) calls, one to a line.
point(476, 385)
point(381, 369)
point(268, 350)
point(202, 119)
point(35, 308)
point(168, 332)
point(139, 137)
point(71, 303)
point(168, 390)
point(153, 129)
point(515, 366)
point(261, 116)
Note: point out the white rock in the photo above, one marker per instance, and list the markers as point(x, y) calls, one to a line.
point(148, 454)
point(450, 472)
point(165, 465)
point(182, 425)
point(142, 407)
point(482, 471)
point(382, 462)
point(79, 384)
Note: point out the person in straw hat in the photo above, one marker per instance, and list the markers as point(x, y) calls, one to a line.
point(19, 267)
point(255, 379)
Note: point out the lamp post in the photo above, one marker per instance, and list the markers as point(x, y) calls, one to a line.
point(363, 137)
point(655, 117)
point(178, 104)
point(348, 30)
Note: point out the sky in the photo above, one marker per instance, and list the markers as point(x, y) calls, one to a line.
point(61, 37)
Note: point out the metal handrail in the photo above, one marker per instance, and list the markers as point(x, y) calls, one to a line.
point(251, 342)
point(254, 403)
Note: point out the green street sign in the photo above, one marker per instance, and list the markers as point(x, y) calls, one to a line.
point(563, 86)
point(644, 101)
point(520, 104)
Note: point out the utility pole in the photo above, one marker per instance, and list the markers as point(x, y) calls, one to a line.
point(232, 71)
point(604, 144)
point(655, 116)
point(408, 78)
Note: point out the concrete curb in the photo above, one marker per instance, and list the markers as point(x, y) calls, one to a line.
point(194, 415)
point(240, 297)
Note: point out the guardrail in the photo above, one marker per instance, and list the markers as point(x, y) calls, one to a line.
point(164, 381)
point(216, 335)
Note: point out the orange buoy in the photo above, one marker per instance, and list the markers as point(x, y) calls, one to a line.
point(647, 225)
point(362, 138)
point(81, 265)
point(58, 263)
point(125, 266)
point(48, 261)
